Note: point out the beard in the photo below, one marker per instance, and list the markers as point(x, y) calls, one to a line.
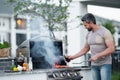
point(89, 29)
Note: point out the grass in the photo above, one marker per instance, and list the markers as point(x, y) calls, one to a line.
point(115, 75)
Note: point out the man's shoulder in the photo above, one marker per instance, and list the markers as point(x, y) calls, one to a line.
point(104, 28)
point(106, 32)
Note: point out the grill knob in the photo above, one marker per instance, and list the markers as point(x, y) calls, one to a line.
point(68, 74)
point(54, 75)
point(64, 74)
point(75, 74)
point(61, 75)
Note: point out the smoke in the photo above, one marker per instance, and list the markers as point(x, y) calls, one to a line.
point(51, 51)
point(46, 51)
point(43, 48)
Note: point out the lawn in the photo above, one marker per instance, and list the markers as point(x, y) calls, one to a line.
point(115, 75)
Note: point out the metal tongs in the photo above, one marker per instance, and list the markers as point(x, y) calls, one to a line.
point(82, 62)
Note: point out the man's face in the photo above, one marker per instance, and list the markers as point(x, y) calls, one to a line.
point(87, 26)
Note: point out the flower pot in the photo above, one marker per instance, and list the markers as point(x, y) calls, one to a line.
point(5, 52)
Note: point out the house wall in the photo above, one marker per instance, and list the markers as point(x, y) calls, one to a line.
point(76, 32)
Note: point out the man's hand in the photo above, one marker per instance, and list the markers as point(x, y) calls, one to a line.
point(68, 58)
point(93, 58)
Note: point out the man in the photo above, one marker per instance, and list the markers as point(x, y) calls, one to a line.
point(100, 42)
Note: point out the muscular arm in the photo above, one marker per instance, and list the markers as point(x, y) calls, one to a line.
point(81, 52)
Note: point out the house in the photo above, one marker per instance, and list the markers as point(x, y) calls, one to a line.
point(11, 31)
point(16, 30)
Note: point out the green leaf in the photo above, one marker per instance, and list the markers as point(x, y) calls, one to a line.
point(4, 45)
point(109, 26)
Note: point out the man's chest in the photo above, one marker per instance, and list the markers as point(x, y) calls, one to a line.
point(95, 39)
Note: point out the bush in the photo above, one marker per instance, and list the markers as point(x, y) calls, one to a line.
point(4, 45)
point(109, 25)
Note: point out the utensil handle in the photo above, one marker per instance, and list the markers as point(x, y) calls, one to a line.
point(81, 62)
point(68, 60)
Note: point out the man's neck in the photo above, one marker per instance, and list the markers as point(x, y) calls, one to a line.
point(95, 28)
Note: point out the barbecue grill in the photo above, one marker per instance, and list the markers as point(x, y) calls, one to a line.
point(36, 50)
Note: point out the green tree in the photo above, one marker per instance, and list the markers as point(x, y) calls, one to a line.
point(109, 25)
point(55, 15)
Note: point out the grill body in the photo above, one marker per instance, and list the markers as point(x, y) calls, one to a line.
point(65, 74)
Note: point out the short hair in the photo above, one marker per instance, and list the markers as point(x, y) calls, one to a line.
point(89, 18)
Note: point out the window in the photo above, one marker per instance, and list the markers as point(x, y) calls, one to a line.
point(20, 23)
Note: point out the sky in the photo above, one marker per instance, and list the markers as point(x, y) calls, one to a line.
point(105, 12)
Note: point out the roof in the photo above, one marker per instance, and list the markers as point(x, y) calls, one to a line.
point(6, 8)
point(107, 3)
